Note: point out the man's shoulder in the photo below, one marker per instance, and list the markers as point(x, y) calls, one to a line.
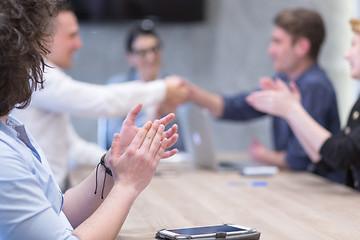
point(317, 72)
point(315, 77)
point(54, 73)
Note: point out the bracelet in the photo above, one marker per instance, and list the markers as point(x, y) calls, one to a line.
point(107, 171)
point(102, 162)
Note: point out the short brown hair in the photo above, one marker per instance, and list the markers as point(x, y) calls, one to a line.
point(301, 22)
point(24, 30)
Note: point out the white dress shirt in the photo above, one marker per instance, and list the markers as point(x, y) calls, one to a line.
point(48, 115)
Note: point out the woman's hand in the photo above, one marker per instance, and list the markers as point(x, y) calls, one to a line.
point(276, 98)
point(129, 130)
point(136, 166)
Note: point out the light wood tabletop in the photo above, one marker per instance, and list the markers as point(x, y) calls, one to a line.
point(288, 205)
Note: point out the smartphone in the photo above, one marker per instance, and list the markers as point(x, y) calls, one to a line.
point(224, 230)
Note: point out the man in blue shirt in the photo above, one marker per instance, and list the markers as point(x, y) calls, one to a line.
point(296, 41)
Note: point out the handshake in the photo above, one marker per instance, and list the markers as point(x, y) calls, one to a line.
point(177, 90)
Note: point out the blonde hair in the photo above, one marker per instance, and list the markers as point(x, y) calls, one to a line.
point(355, 25)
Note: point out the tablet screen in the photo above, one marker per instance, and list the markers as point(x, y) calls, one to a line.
point(206, 230)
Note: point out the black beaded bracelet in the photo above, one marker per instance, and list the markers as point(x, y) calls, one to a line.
point(107, 171)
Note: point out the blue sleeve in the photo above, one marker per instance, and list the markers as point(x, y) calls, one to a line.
point(236, 108)
point(25, 212)
point(320, 102)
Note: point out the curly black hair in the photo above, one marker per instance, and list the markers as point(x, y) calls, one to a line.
point(25, 29)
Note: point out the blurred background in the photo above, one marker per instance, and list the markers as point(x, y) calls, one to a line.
point(219, 45)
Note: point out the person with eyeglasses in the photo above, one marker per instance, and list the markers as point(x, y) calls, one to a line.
point(143, 47)
point(48, 115)
point(296, 40)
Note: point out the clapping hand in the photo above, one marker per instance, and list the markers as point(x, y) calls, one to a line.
point(136, 152)
point(276, 98)
point(129, 130)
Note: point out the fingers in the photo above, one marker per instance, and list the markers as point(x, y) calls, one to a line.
point(170, 132)
point(140, 136)
point(281, 85)
point(115, 150)
point(172, 140)
point(131, 116)
point(168, 118)
point(251, 98)
point(156, 143)
point(161, 151)
point(115, 146)
point(267, 83)
point(259, 100)
point(155, 149)
point(152, 136)
point(165, 144)
point(295, 90)
point(153, 140)
point(169, 153)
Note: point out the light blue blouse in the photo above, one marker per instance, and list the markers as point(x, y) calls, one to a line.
point(30, 199)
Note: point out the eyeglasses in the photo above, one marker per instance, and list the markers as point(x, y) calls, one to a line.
point(144, 52)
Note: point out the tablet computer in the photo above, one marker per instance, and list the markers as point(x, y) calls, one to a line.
point(224, 231)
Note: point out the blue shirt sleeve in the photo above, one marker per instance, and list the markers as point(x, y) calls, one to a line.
point(236, 108)
point(25, 211)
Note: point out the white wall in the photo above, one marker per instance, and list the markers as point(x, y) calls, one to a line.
point(227, 53)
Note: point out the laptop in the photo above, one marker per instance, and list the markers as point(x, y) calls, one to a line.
point(199, 140)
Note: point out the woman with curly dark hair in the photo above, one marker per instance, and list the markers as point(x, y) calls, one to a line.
point(25, 28)
point(32, 205)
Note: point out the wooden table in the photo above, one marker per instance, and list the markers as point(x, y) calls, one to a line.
point(291, 205)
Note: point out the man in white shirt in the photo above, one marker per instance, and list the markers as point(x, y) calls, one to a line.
point(48, 116)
